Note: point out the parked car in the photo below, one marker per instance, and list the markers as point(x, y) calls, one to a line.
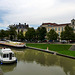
point(72, 41)
point(63, 41)
point(44, 40)
point(50, 41)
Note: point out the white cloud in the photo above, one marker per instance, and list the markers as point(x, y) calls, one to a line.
point(34, 12)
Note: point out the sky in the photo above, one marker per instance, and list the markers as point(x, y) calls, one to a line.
point(36, 12)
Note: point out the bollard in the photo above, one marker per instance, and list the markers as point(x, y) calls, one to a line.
point(47, 48)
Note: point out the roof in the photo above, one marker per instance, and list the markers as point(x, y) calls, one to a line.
point(49, 24)
point(6, 50)
point(64, 24)
point(54, 24)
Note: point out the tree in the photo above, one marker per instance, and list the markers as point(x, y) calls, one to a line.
point(12, 32)
point(68, 34)
point(20, 36)
point(30, 34)
point(2, 34)
point(52, 35)
point(6, 33)
point(41, 33)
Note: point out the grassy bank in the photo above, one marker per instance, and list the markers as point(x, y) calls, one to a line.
point(60, 48)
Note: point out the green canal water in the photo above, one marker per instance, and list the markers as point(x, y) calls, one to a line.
point(32, 62)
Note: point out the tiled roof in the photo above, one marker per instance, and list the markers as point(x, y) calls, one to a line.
point(49, 24)
point(64, 24)
point(54, 24)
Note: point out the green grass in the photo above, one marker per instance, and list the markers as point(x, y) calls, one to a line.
point(60, 48)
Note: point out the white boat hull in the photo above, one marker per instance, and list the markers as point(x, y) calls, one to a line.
point(8, 61)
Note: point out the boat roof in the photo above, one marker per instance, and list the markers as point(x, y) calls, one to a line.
point(6, 50)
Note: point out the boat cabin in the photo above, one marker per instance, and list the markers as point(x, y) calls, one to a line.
point(6, 55)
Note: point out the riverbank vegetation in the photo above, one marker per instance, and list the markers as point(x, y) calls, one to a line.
point(60, 48)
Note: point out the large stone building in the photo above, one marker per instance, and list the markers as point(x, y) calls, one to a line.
point(58, 27)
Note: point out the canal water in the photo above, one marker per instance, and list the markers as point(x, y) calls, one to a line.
point(33, 62)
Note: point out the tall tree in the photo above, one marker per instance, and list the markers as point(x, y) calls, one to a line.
point(12, 32)
point(41, 33)
point(68, 34)
point(52, 35)
point(30, 35)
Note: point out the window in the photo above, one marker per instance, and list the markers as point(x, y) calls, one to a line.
point(49, 25)
point(4, 55)
point(48, 29)
point(55, 29)
point(59, 29)
point(52, 25)
point(62, 28)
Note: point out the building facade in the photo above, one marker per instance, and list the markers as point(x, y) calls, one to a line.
point(58, 27)
point(21, 28)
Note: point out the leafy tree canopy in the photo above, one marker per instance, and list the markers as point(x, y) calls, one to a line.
point(30, 34)
point(2, 34)
point(12, 32)
point(41, 33)
point(52, 35)
point(68, 34)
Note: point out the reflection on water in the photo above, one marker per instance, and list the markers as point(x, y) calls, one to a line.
point(9, 67)
point(32, 62)
point(1, 72)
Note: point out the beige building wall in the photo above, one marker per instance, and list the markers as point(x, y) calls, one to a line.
point(58, 29)
point(20, 30)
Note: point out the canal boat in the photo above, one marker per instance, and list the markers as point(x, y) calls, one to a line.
point(13, 44)
point(7, 56)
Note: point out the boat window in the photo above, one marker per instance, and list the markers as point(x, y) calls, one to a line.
point(4, 55)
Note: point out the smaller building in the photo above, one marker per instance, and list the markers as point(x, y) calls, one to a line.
point(21, 28)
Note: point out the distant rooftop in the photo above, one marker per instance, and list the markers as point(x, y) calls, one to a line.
point(55, 24)
point(21, 26)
